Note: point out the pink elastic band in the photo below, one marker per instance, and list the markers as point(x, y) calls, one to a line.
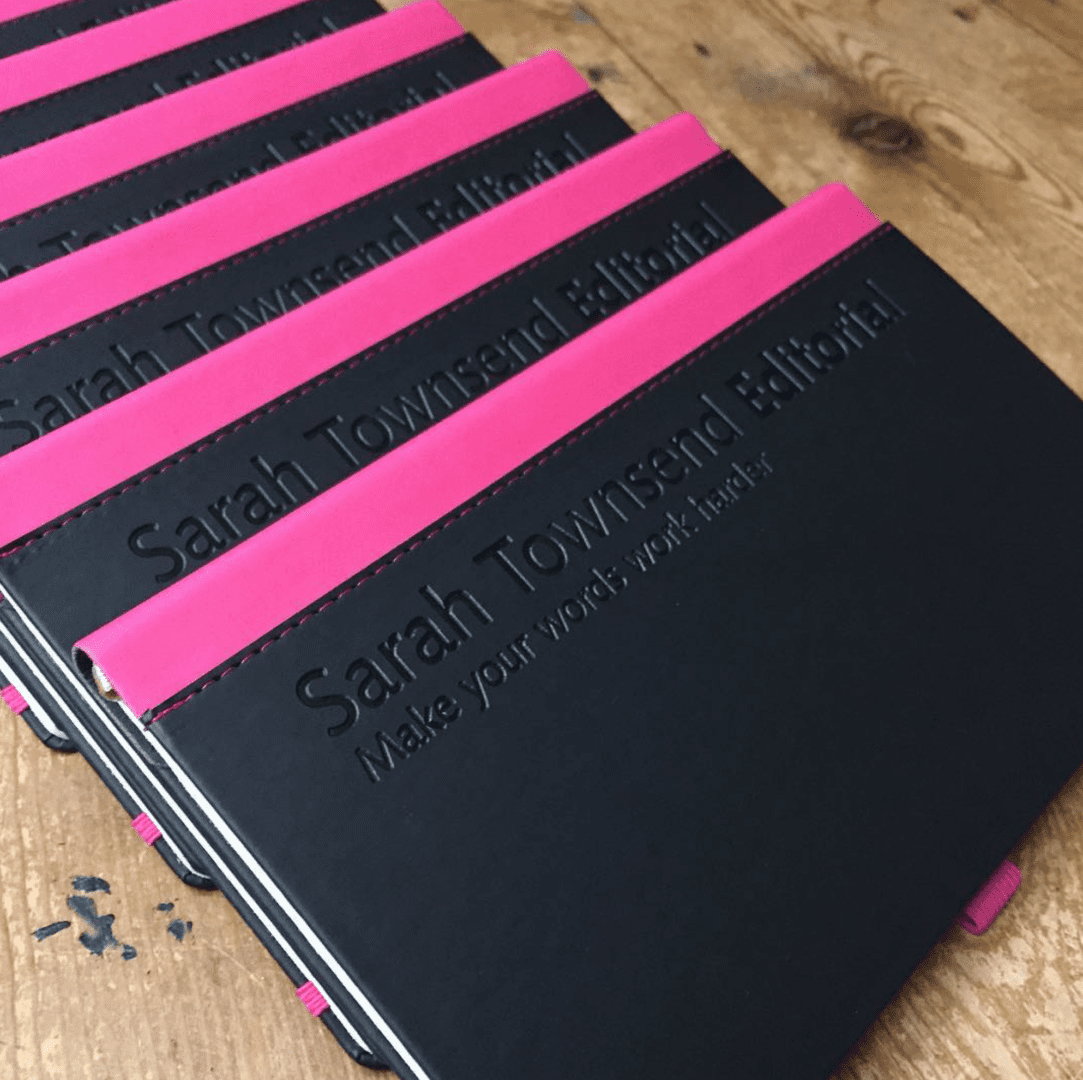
point(979, 914)
point(14, 700)
point(313, 1000)
point(146, 828)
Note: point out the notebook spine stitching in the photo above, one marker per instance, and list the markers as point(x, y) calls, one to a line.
point(363, 357)
point(284, 238)
point(526, 468)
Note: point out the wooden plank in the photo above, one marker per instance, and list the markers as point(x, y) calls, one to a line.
point(1059, 21)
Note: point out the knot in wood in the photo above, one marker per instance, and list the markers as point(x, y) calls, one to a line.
point(881, 134)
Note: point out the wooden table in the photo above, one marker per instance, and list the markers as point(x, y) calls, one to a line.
point(961, 122)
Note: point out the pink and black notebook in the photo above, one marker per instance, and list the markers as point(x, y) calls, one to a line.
point(672, 691)
point(74, 190)
point(72, 82)
point(624, 222)
point(670, 197)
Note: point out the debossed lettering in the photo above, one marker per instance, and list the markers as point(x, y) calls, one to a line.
point(618, 279)
point(472, 197)
point(372, 679)
point(548, 553)
point(791, 367)
point(227, 519)
point(422, 725)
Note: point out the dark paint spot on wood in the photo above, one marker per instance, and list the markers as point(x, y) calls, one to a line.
point(43, 932)
point(178, 929)
point(129, 952)
point(701, 48)
point(90, 884)
point(881, 134)
point(580, 14)
point(102, 925)
point(967, 13)
point(165, 907)
point(595, 74)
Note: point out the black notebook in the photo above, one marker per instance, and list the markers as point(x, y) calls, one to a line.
point(480, 338)
point(668, 723)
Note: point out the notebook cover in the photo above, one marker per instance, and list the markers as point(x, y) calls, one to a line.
point(711, 714)
point(605, 182)
point(493, 244)
point(126, 310)
point(26, 25)
point(73, 82)
point(68, 192)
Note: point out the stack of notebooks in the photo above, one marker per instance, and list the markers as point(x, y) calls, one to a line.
point(589, 619)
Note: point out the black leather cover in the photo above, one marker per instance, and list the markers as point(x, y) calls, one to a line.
point(743, 752)
point(155, 188)
point(63, 20)
point(80, 105)
point(119, 350)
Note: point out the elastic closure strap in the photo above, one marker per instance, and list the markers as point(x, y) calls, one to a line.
point(146, 828)
point(979, 914)
point(312, 999)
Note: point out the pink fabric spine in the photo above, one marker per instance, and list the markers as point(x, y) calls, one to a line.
point(104, 49)
point(71, 162)
point(312, 999)
point(148, 831)
point(14, 700)
point(152, 653)
point(991, 900)
point(144, 427)
point(65, 292)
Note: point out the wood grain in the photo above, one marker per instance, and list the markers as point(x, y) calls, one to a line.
point(962, 122)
